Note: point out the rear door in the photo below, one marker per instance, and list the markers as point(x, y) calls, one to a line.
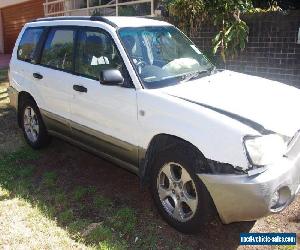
point(53, 77)
point(23, 61)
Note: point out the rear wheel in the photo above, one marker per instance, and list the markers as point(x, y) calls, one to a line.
point(181, 197)
point(34, 130)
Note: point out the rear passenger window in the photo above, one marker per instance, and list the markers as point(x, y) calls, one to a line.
point(58, 49)
point(28, 44)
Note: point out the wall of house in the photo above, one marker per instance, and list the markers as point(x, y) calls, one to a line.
point(272, 50)
point(15, 16)
point(1, 34)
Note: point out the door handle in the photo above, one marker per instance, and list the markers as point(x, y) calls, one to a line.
point(80, 88)
point(37, 76)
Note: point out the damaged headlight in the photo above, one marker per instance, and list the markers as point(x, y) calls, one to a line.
point(264, 150)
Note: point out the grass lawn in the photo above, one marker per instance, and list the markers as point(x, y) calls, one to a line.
point(35, 206)
point(3, 75)
point(64, 198)
point(41, 210)
point(36, 213)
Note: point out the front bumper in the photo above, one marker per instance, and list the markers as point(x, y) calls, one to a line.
point(247, 198)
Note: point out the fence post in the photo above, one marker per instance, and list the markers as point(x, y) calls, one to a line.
point(152, 7)
point(117, 7)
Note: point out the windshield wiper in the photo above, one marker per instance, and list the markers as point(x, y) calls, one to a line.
point(195, 75)
point(198, 74)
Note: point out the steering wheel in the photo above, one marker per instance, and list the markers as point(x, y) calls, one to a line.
point(139, 63)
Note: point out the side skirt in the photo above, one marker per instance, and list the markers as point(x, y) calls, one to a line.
point(123, 164)
point(105, 146)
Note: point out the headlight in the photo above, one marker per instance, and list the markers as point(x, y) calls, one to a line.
point(263, 150)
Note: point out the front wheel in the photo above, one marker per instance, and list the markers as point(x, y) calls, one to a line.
point(181, 197)
point(34, 130)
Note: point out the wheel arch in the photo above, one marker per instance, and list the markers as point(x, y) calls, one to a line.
point(158, 143)
point(22, 96)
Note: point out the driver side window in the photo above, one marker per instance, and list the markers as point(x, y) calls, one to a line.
point(95, 52)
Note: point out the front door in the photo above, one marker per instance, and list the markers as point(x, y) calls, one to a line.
point(103, 117)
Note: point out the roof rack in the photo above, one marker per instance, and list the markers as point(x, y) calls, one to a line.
point(75, 18)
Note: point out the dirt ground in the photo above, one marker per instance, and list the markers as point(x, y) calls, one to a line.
point(75, 167)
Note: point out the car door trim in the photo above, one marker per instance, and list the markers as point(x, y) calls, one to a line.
point(92, 140)
point(55, 122)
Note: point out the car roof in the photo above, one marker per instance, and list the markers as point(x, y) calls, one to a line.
point(121, 21)
point(115, 21)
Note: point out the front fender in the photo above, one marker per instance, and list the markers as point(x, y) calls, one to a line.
point(217, 136)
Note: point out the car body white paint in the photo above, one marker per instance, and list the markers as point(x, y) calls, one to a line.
point(217, 136)
point(137, 115)
point(269, 103)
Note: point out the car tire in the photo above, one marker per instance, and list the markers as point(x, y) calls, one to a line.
point(181, 197)
point(34, 129)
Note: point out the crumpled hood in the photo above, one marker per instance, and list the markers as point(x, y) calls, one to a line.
point(267, 104)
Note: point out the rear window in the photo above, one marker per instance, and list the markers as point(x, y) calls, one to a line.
point(28, 44)
point(58, 49)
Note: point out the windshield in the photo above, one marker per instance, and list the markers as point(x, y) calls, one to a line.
point(163, 55)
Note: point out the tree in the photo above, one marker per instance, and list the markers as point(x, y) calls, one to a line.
point(224, 14)
point(233, 32)
point(283, 4)
point(187, 13)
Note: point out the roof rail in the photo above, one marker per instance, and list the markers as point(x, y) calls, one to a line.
point(86, 18)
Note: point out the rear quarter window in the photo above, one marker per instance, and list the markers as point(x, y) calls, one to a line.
point(28, 44)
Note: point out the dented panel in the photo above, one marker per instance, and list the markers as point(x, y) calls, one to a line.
point(246, 198)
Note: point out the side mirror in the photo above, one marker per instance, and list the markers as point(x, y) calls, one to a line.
point(112, 77)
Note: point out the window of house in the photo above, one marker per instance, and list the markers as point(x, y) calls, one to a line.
point(58, 49)
point(28, 44)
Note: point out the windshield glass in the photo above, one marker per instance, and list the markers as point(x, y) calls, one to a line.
point(163, 55)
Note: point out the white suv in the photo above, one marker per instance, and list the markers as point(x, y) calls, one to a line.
point(138, 92)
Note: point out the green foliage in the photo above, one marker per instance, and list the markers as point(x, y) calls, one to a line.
point(274, 5)
point(100, 233)
point(13, 171)
point(232, 39)
point(49, 179)
point(24, 153)
point(66, 216)
point(26, 171)
point(188, 13)
point(124, 220)
point(80, 192)
point(223, 14)
point(233, 32)
point(103, 238)
point(101, 202)
point(78, 225)
point(3, 75)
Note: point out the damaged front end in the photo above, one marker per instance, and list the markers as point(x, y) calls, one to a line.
point(264, 150)
point(216, 167)
point(268, 186)
point(261, 151)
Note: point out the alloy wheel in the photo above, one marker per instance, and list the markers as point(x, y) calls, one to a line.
point(177, 192)
point(31, 124)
